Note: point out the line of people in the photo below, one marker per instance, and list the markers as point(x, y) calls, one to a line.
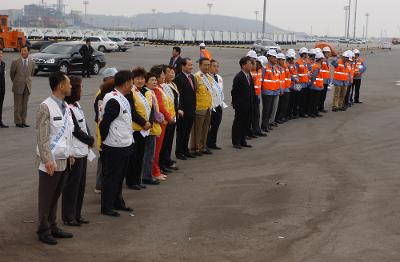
point(137, 114)
point(290, 88)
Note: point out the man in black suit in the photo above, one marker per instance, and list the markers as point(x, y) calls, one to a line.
point(187, 103)
point(176, 59)
point(242, 100)
point(86, 52)
point(2, 87)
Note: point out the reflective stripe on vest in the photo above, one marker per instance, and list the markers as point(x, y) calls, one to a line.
point(256, 75)
point(340, 73)
point(325, 70)
point(269, 79)
point(302, 72)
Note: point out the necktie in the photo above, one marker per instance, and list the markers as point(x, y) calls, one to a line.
point(216, 78)
point(190, 81)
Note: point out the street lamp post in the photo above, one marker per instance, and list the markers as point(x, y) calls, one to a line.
point(264, 18)
point(355, 20)
point(348, 21)
point(346, 16)
point(256, 13)
point(366, 26)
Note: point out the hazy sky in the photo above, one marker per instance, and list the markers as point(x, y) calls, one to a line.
point(325, 16)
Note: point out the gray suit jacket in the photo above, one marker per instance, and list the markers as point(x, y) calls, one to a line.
point(21, 78)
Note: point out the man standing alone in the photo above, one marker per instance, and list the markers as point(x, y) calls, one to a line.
point(86, 52)
point(21, 72)
point(176, 59)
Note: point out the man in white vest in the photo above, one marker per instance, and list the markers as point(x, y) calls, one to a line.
point(117, 143)
point(54, 136)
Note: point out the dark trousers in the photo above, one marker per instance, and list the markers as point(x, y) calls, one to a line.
point(134, 174)
point(216, 118)
point(240, 126)
point(294, 99)
point(87, 68)
point(283, 106)
point(166, 149)
point(74, 190)
point(2, 94)
point(315, 98)
point(99, 172)
point(268, 103)
point(321, 104)
point(304, 101)
point(347, 97)
point(115, 166)
point(255, 116)
point(184, 127)
point(50, 188)
point(357, 86)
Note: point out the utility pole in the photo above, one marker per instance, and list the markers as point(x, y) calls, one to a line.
point(366, 26)
point(256, 13)
point(346, 16)
point(355, 20)
point(264, 18)
point(348, 21)
point(210, 6)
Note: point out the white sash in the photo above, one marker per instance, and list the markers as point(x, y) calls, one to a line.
point(61, 133)
point(169, 92)
point(204, 78)
point(145, 103)
point(124, 102)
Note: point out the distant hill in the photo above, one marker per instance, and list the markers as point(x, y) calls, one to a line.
point(180, 20)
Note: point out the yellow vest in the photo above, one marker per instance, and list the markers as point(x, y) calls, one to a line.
point(156, 129)
point(203, 96)
point(140, 107)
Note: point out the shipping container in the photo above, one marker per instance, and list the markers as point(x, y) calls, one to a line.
point(188, 36)
point(208, 38)
point(199, 36)
point(234, 37)
point(248, 37)
point(217, 37)
point(226, 37)
point(241, 37)
point(179, 35)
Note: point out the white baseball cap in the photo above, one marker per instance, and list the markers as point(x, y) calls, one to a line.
point(109, 72)
point(272, 52)
point(356, 52)
point(290, 54)
point(326, 49)
point(252, 54)
point(202, 45)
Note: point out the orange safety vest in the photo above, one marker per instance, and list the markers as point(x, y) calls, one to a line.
point(356, 66)
point(319, 80)
point(270, 80)
point(282, 77)
point(350, 70)
point(292, 70)
point(302, 71)
point(205, 53)
point(325, 70)
point(341, 73)
point(256, 75)
point(288, 77)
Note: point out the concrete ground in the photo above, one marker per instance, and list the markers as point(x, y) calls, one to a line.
point(313, 190)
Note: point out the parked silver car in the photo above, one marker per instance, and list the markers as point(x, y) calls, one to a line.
point(262, 46)
point(123, 44)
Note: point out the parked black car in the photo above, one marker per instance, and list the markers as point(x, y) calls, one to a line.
point(40, 45)
point(65, 57)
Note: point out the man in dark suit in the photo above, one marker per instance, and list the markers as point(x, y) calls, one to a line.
point(242, 100)
point(187, 103)
point(176, 59)
point(2, 87)
point(86, 52)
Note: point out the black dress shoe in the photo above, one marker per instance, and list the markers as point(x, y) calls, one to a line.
point(261, 134)
point(3, 125)
point(25, 125)
point(48, 239)
point(319, 115)
point(126, 209)
point(334, 109)
point(83, 220)
point(165, 170)
point(190, 155)
point(20, 125)
point(151, 182)
point(275, 124)
point(59, 233)
point(253, 136)
point(143, 186)
point(248, 138)
point(72, 223)
point(280, 122)
point(111, 213)
point(215, 147)
point(323, 111)
point(266, 130)
point(199, 154)
point(134, 187)
point(237, 146)
point(246, 145)
point(358, 102)
point(181, 157)
point(207, 152)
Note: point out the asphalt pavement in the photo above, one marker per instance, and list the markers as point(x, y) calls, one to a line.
point(313, 190)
